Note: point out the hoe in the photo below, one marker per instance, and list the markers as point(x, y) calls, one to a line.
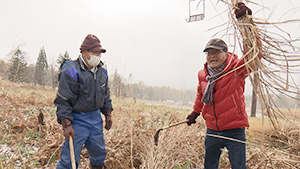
point(185, 121)
point(171, 125)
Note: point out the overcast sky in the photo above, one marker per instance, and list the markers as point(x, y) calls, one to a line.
point(148, 38)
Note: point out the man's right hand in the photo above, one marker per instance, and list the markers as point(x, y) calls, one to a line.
point(192, 118)
point(108, 121)
point(67, 128)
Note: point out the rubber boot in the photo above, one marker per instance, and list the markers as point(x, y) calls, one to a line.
point(97, 166)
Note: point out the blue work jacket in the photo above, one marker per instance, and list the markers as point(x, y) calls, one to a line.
point(82, 90)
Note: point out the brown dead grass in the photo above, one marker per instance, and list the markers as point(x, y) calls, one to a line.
point(29, 141)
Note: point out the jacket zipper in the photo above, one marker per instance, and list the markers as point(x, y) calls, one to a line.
point(96, 87)
point(215, 116)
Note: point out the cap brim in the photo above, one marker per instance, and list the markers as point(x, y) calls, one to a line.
point(212, 47)
point(98, 49)
point(103, 50)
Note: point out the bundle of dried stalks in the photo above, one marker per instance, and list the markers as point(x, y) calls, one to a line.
point(272, 55)
point(268, 55)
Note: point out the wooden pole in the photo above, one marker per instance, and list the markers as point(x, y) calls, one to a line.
point(253, 103)
point(72, 153)
point(254, 96)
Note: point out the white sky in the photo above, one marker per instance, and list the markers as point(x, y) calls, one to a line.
point(149, 39)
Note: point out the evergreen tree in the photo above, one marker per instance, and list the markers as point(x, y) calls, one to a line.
point(18, 65)
point(41, 67)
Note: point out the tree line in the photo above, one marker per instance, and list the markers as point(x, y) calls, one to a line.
point(18, 70)
point(41, 73)
point(139, 90)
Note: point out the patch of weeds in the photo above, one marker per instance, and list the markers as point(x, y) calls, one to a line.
point(31, 135)
point(52, 158)
point(34, 162)
point(3, 157)
point(8, 124)
point(30, 110)
point(249, 139)
point(12, 107)
point(185, 166)
point(222, 160)
point(51, 111)
point(22, 149)
point(224, 153)
point(5, 140)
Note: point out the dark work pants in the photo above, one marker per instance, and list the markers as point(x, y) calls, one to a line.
point(236, 150)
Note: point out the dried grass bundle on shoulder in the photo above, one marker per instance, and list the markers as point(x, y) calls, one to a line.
point(272, 57)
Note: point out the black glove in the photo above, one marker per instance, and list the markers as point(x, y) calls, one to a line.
point(242, 10)
point(108, 121)
point(192, 118)
point(67, 128)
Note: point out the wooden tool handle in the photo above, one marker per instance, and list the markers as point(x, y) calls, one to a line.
point(72, 152)
point(175, 124)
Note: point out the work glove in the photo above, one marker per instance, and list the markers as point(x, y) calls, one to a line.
point(108, 121)
point(192, 118)
point(67, 128)
point(242, 10)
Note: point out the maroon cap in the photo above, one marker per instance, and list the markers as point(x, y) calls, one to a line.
point(92, 43)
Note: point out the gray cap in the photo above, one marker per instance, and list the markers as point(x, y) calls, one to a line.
point(218, 44)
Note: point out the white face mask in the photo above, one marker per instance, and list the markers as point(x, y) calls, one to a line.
point(94, 60)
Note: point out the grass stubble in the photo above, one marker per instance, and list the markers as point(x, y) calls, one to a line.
point(31, 140)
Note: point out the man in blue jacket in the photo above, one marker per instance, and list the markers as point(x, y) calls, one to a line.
point(83, 94)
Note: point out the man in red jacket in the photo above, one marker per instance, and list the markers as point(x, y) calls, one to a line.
point(220, 98)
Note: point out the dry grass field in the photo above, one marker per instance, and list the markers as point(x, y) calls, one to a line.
point(30, 137)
